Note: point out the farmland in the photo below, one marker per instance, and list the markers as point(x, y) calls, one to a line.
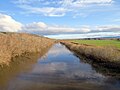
point(110, 43)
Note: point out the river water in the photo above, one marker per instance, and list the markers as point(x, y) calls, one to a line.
point(59, 69)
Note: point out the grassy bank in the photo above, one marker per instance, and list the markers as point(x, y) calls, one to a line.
point(107, 56)
point(110, 43)
point(20, 64)
point(16, 44)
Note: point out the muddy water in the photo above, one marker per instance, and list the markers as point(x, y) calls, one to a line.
point(60, 69)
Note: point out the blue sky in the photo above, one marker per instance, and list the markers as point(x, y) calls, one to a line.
point(61, 18)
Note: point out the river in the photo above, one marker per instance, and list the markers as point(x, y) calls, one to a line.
point(58, 69)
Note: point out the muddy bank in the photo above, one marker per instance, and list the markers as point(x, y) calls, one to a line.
point(100, 67)
point(105, 56)
point(17, 44)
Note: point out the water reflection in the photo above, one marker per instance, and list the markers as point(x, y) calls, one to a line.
point(19, 65)
point(60, 69)
point(101, 68)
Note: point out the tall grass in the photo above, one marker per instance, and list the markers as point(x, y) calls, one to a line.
point(16, 44)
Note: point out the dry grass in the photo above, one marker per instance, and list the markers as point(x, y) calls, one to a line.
point(97, 53)
point(16, 44)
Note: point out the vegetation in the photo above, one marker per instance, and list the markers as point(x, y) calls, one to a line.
point(106, 55)
point(20, 64)
point(16, 44)
point(112, 43)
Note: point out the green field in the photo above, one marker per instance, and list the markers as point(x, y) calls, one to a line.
point(113, 43)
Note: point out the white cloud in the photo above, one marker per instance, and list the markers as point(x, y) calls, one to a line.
point(46, 11)
point(58, 7)
point(85, 3)
point(107, 28)
point(85, 29)
point(7, 23)
point(42, 28)
point(85, 35)
point(95, 1)
point(34, 25)
point(45, 29)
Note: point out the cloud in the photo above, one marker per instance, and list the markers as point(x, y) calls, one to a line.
point(84, 35)
point(7, 23)
point(85, 29)
point(44, 29)
point(46, 11)
point(107, 28)
point(36, 25)
point(58, 8)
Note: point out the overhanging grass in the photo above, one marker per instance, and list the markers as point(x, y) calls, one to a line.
point(114, 43)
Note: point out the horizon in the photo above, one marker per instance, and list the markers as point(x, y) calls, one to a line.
point(61, 19)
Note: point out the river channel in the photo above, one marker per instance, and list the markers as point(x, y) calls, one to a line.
point(58, 69)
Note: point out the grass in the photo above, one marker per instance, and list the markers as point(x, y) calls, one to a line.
point(113, 43)
point(16, 44)
point(108, 56)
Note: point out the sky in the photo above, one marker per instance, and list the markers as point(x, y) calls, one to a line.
point(61, 19)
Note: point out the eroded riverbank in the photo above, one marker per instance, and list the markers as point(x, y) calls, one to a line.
point(60, 69)
point(105, 56)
